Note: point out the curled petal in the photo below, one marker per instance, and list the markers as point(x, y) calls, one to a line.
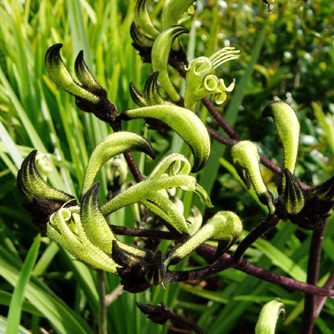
point(137, 96)
point(288, 129)
point(66, 229)
point(116, 143)
point(160, 54)
point(185, 123)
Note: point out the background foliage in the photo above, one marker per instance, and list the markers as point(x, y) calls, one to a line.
point(293, 57)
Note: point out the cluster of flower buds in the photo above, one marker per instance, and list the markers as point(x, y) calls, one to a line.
point(308, 208)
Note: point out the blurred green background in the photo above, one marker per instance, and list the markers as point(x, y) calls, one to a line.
point(288, 54)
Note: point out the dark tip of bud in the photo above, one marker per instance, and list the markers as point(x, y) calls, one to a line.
point(324, 191)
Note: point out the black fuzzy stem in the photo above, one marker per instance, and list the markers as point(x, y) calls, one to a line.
point(313, 266)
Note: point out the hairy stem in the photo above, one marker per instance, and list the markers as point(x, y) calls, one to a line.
point(313, 265)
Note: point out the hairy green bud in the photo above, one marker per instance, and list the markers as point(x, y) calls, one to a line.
point(270, 312)
point(288, 129)
point(224, 227)
point(246, 159)
point(184, 122)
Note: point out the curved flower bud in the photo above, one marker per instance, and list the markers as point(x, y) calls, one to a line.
point(246, 159)
point(90, 97)
point(173, 10)
point(270, 312)
point(43, 199)
point(96, 227)
point(143, 20)
point(160, 54)
point(151, 95)
point(31, 185)
point(141, 43)
point(288, 128)
point(116, 143)
point(292, 197)
point(184, 122)
point(224, 227)
point(200, 82)
point(86, 78)
point(66, 229)
point(147, 192)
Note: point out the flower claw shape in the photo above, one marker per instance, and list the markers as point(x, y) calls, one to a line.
point(143, 21)
point(43, 199)
point(150, 96)
point(116, 143)
point(184, 122)
point(90, 96)
point(147, 192)
point(224, 227)
point(200, 82)
point(246, 159)
point(160, 54)
point(288, 129)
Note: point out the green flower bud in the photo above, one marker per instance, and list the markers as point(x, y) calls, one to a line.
point(224, 227)
point(116, 143)
point(288, 129)
point(270, 312)
point(160, 54)
point(184, 122)
point(90, 97)
point(292, 197)
point(143, 20)
point(246, 159)
point(44, 164)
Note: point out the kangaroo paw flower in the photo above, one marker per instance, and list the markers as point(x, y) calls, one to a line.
point(288, 128)
point(246, 159)
point(43, 199)
point(90, 96)
point(184, 122)
point(270, 312)
point(116, 143)
point(167, 174)
point(224, 227)
point(160, 54)
point(200, 82)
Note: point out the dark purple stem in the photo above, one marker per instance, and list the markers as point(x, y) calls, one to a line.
point(133, 167)
point(312, 278)
point(320, 300)
point(267, 224)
